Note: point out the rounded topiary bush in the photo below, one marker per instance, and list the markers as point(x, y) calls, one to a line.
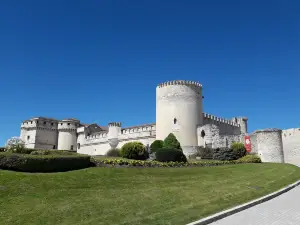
point(249, 159)
point(171, 142)
point(114, 153)
point(157, 144)
point(238, 149)
point(134, 150)
point(170, 155)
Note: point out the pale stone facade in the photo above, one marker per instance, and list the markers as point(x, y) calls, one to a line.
point(179, 110)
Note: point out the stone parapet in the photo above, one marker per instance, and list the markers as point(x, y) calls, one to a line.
point(220, 120)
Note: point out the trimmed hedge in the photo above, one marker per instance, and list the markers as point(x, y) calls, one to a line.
point(43, 163)
point(157, 144)
point(170, 155)
point(134, 150)
point(114, 153)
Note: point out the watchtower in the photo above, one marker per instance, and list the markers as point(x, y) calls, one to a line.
point(67, 134)
point(179, 111)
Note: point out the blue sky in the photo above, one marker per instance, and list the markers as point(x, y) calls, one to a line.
point(100, 61)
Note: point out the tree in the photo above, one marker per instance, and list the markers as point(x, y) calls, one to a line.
point(171, 142)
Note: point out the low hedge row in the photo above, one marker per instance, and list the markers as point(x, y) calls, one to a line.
point(141, 163)
point(170, 155)
point(41, 151)
point(43, 163)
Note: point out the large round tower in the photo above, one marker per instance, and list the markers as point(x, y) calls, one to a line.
point(67, 134)
point(269, 145)
point(179, 111)
point(114, 129)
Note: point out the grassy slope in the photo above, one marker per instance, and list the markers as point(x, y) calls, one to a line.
point(135, 196)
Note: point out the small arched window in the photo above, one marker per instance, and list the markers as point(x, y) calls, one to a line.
point(202, 134)
point(78, 146)
point(175, 121)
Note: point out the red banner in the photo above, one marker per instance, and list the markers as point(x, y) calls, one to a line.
point(248, 143)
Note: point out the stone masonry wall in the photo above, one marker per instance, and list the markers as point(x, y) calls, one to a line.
point(291, 145)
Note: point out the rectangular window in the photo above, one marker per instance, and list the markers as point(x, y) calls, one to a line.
point(28, 137)
point(72, 147)
point(54, 147)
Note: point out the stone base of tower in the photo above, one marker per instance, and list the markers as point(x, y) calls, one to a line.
point(189, 150)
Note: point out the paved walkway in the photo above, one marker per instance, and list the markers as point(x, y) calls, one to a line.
point(282, 210)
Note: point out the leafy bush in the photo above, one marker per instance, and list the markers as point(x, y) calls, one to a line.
point(134, 150)
point(249, 159)
point(157, 144)
point(114, 152)
point(223, 154)
point(238, 149)
point(43, 163)
point(170, 155)
point(2, 149)
point(171, 142)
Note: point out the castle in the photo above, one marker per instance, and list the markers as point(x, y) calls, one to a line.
point(179, 110)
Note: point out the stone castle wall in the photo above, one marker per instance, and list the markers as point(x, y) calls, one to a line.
point(226, 127)
point(291, 145)
point(270, 144)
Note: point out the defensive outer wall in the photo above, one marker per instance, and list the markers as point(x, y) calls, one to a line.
point(276, 145)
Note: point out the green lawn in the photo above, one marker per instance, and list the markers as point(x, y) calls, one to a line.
point(135, 196)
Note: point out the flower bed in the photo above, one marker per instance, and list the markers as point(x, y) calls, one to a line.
point(106, 162)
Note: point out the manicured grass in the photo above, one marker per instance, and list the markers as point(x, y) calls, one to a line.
point(135, 195)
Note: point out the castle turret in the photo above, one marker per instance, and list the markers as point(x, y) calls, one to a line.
point(114, 129)
point(269, 145)
point(243, 122)
point(179, 111)
point(67, 134)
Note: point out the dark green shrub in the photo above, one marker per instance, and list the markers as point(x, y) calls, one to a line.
point(134, 150)
point(43, 163)
point(238, 149)
point(223, 154)
point(2, 149)
point(114, 153)
point(170, 155)
point(171, 142)
point(157, 144)
point(249, 159)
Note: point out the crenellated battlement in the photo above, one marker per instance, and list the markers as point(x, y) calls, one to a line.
point(220, 120)
point(136, 129)
point(180, 82)
point(115, 124)
point(97, 136)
